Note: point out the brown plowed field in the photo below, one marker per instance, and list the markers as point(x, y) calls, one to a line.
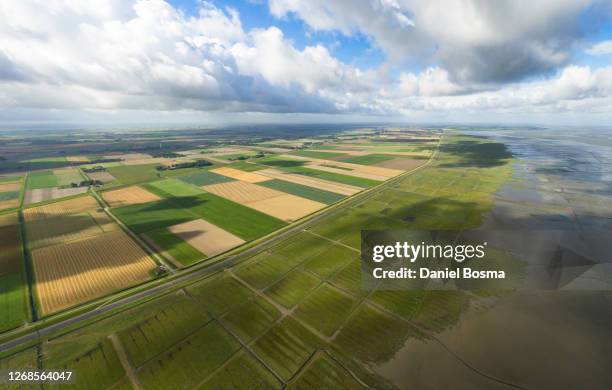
point(43, 194)
point(7, 204)
point(128, 196)
point(240, 175)
point(104, 177)
point(241, 191)
point(83, 270)
point(206, 237)
point(6, 187)
point(272, 202)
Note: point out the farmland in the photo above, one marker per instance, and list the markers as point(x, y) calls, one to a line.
point(83, 270)
point(13, 302)
point(289, 314)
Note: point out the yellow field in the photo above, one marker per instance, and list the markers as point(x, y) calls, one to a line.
point(83, 270)
point(10, 244)
point(61, 222)
point(241, 191)
point(240, 175)
point(5, 187)
point(206, 237)
point(338, 188)
point(358, 170)
point(7, 204)
point(77, 159)
point(272, 202)
point(128, 196)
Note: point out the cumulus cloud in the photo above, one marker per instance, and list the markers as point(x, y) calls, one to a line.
point(475, 41)
point(148, 55)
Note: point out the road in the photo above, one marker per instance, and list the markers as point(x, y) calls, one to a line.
point(206, 269)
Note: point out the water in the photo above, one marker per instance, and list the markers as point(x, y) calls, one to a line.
point(535, 339)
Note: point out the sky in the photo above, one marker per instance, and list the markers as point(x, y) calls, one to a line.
point(188, 62)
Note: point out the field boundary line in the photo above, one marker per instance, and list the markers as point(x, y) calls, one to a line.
point(122, 355)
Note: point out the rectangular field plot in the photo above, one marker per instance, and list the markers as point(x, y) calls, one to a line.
point(170, 245)
point(13, 301)
point(220, 294)
point(368, 159)
point(251, 319)
point(95, 362)
point(189, 362)
point(42, 179)
point(287, 346)
point(326, 309)
point(206, 237)
point(290, 290)
point(67, 176)
point(102, 176)
point(43, 194)
point(372, 336)
point(61, 222)
point(243, 371)
point(9, 204)
point(9, 187)
point(325, 373)
point(159, 332)
point(330, 260)
point(76, 272)
point(325, 185)
point(128, 196)
point(303, 191)
point(263, 270)
point(272, 202)
point(132, 174)
point(173, 187)
point(237, 219)
point(204, 178)
point(240, 175)
point(334, 177)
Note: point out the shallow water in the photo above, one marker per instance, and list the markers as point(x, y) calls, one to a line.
point(537, 339)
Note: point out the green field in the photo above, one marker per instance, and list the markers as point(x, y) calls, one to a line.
point(368, 159)
point(286, 347)
point(220, 294)
point(8, 195)
point(41, 179)
point(246, 166)
point(326, 309)
point(242, 221)
point(190, 361)
point(325, 373)
point(320, 155)
point(315, 194)
point(251, 319)
point(297, 303)
point(13, 303)
point(94, 360)
point(331, 176)
point(132, 174)
point(9, 179)
point(65, 179)
point(179, 249)
point(290, 290)
point(166, 328)
point(204, 178)
point(242, 372)
point(172, 187)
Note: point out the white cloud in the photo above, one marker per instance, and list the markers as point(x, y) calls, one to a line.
point(147, 56)
point(601, 48)
point(475, 41)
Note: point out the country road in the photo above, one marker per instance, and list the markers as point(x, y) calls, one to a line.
point(191, 275)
